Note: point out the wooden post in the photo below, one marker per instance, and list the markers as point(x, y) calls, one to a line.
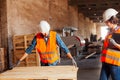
point(2, 59)
point(38, 58)
point(25, 46)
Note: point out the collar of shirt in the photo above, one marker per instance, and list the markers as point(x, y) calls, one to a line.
point(115, 29)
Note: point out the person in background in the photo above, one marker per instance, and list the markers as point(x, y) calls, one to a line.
point(110, 56)
point(46, 43)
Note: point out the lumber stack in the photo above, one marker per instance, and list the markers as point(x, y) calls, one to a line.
point(20, 43)
point(41, 73)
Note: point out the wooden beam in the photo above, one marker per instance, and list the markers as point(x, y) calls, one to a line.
point(46, 72)
point(97, 1)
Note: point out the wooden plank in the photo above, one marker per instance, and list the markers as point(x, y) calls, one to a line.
point(25, 45)
point(44, 72)
point(19, 47)
point(2, 59)
point(37, 58)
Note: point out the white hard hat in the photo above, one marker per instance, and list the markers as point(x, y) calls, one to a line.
point(44, 26)
point(109, 13)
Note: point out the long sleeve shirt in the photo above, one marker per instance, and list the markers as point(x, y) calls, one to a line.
point(58, 40)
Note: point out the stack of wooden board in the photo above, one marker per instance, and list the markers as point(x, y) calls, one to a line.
point(20, 43)
point(41, 73)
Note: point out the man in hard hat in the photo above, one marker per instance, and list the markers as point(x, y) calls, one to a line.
point(46, 43)
point(111, 49)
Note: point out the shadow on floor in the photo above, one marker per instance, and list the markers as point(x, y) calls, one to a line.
point(89, 69)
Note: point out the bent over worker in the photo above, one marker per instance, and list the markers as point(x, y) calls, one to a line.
point(111, 50)
point(46, 43)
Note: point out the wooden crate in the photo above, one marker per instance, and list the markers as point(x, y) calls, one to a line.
point(20, 43)
point(41, 73)
point(2, 59)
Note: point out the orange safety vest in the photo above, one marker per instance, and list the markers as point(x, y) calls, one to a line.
point(110, 56)
point(47, 51)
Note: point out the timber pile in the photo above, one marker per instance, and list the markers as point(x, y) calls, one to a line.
point(20, 43)
point(41, 73)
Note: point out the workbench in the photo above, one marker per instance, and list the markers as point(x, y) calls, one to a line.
point(41, 73)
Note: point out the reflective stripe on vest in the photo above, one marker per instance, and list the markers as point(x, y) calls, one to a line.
point(49, 58)
point(48, 52)
point(112, 57)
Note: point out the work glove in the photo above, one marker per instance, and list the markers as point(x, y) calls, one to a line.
point(113, 41)
point(10, 68)
point(74, 62)
point(17, 63)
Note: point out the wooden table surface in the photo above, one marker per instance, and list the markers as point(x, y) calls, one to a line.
point(44, 72)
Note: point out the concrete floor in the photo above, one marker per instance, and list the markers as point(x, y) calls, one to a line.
point(89, 69)
point(88, 74)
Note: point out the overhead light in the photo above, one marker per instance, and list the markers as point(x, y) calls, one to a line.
point(89, 8)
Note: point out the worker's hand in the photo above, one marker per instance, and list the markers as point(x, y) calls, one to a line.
point(10, 68)
point(74, 62)
point(113, 41)
point(17, 63)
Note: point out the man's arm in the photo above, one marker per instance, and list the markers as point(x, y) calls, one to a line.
point(63, 46)
point(24, 56)
point(115, 43)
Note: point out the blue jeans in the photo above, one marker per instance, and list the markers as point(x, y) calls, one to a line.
point(110, 70)
point(47, 64)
